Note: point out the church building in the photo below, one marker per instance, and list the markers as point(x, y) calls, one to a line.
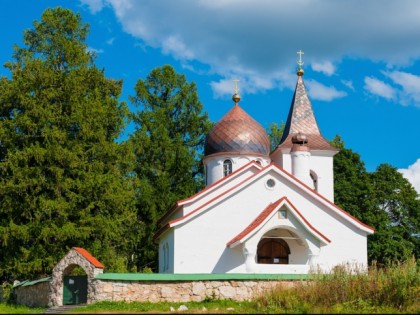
point(261, 211)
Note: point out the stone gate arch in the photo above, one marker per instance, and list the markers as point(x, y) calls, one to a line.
point(77, 256)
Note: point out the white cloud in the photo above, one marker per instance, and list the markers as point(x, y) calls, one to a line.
point(260, 38)
point(325, 67)
point(412, 174)
point(349, 84)
point(410, 85)
point(379, 88)
point(94, 5)
point(94, 50)
point(175, 46)
point(318, 91)
point(110, 41)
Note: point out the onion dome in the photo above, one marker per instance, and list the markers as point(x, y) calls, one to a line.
point(237, 132)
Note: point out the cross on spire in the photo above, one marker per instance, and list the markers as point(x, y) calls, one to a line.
point(236, 89)
point(236, 98)
point(300, 62)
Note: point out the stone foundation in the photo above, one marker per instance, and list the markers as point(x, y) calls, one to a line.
point(181, 291)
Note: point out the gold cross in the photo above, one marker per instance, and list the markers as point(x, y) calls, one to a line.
point(236, 89)
point(300, 62)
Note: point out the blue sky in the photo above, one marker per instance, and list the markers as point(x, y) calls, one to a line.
point(361, 60)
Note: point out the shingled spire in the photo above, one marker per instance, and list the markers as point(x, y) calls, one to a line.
point(301, 118)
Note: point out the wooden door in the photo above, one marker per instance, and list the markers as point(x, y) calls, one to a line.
point(273, 251)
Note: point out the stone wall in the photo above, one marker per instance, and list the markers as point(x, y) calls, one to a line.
point(181, 291)
point(35, 295)
point(40, 293)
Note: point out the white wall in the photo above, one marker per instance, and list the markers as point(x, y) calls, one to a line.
point(200, 243)
point(321, 162)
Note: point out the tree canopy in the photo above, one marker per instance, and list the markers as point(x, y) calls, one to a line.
point(168, 143)
point(61, 184)
point(383, 199)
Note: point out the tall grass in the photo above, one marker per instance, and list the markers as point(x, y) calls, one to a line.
point(395, 288)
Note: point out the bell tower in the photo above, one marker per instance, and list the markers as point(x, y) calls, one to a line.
point(318, 154)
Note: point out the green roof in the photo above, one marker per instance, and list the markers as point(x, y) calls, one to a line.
point(26, 283)
point(197, 276)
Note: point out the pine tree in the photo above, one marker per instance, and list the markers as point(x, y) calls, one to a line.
point(168, 143)
point(61, 184)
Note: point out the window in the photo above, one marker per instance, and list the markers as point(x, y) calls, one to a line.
point(283, 214)
point(165, 257)
point(227, 167)
point(271, 183)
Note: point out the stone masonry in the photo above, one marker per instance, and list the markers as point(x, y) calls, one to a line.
point(75, 257)
point(49, 292)
point(181, 291)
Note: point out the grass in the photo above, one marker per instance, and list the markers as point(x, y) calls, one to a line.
point(6, 308)
point(391, 290)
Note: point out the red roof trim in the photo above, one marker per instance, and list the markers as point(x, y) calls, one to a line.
point(183, 201)
point(170, 223)
point(89, 257)
point(293, 180)
point(267, 212)
point(323, 198)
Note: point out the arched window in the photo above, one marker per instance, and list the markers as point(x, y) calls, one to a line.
point(227, 167)
point(167, 256)
point(164, 256)
point(273, 251)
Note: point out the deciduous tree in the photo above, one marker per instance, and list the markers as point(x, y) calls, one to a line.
point(383, 199)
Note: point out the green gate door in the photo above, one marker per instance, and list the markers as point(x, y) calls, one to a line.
point(75, 290)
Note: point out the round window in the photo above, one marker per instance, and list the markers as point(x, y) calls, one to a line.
point(271, 183)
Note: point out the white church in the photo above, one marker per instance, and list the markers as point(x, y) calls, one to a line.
point(261, 211)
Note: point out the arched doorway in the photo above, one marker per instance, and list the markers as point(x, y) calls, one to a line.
point(77, 262)
point(273, 251)
point(75, 285)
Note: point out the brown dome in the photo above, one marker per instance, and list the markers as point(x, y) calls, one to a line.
point(237, 132)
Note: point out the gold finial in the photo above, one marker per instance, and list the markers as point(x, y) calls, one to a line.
point(300, 63)
point(236, 98)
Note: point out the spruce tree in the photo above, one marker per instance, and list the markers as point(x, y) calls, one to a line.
point(168, 143)
point(61, 183)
